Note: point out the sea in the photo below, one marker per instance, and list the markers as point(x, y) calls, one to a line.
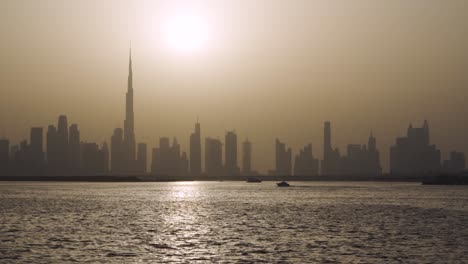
point(232, 222)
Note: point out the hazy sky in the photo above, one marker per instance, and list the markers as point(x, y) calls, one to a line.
point(266, 68)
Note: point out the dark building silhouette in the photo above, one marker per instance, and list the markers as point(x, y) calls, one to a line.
point(20, 159)
point(117, 152)
point(105, 152)
point(36, 157)
point(168, 160)
point(74, 150)
point(53, 150)
point(183, 164)
point(231, 166)
point(247, 157)
point(62, 144)
point(413, 154)
point(129, 125)
point(58, 148)
point(305, 164)
point(195, 151)
point(124, 160)
point(361, 159)
point(94, 159)
point(456, 163)
point(213, 157)
point(283, 159)
point(331, 157)
point(4, 156)
point(142, 158)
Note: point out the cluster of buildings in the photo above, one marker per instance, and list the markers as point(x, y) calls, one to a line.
point(65, 154)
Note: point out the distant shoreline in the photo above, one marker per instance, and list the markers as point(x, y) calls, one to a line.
point(113, 178)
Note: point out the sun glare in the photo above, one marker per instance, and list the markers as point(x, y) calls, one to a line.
point(186, 33)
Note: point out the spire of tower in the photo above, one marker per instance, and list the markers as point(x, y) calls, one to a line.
point(130, 68)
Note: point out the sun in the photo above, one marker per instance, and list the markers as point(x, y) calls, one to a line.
point(186, 33)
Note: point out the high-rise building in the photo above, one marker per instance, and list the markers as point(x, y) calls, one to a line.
point(105, 153)
point(231, 166)
point(74, 149)
point(142, 158)
point(283, 159)
point(62, 143)
point(330, 162)
point(195, 151)
point(117, 152)
point(183, 165)
point(20, 159)
point(36, 159)
point(246, 157)
point(413, 154)
point(4, 156)
point(93, 159)
point(213, 157)
point(37, 140)
point(305, 164)
point(361, 159)
point(456, 163)
point(155, 161)
point(53, 150)
point(129, 124)
point(168, 160)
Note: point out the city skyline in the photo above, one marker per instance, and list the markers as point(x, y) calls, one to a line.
point(268, 68)
point(64, 153)
point(233, 131)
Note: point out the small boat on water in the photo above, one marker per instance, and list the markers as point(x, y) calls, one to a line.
point(254, 180)
point(282, 184)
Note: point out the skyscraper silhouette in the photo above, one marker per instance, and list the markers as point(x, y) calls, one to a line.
point(74, 149)
point(105, 153)
point(305, 164)
point(246, 157)
point(94, 159)
point(231, 166)
point(195, 151)
point(36, 160)
point(413, 154)
point(168, 160)
point(62, 145)
point(330, 157)
point(213, 157)
point(142, 158)
point(456, 163)
point(4, 156)
point(53, 151)
point(129, 123)
point(117, 152)
point(283, 159)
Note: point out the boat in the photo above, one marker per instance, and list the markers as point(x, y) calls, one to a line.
point(254, 180)
point(282, 184)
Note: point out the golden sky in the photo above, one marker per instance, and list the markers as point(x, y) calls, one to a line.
point(266, 68)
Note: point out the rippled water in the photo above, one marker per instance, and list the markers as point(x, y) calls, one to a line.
point(233, 222)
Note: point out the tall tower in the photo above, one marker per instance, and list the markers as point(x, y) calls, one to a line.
point(195, 151)
point(426, 132)
point(372, 144)
point(247, 157)
point(129, 123)
point(232, 168)
point(327, 149)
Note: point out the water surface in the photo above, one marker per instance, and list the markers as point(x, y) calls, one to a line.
point(225, 222)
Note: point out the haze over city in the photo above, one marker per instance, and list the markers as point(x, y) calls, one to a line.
point(233, 131)
point(266, 69)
